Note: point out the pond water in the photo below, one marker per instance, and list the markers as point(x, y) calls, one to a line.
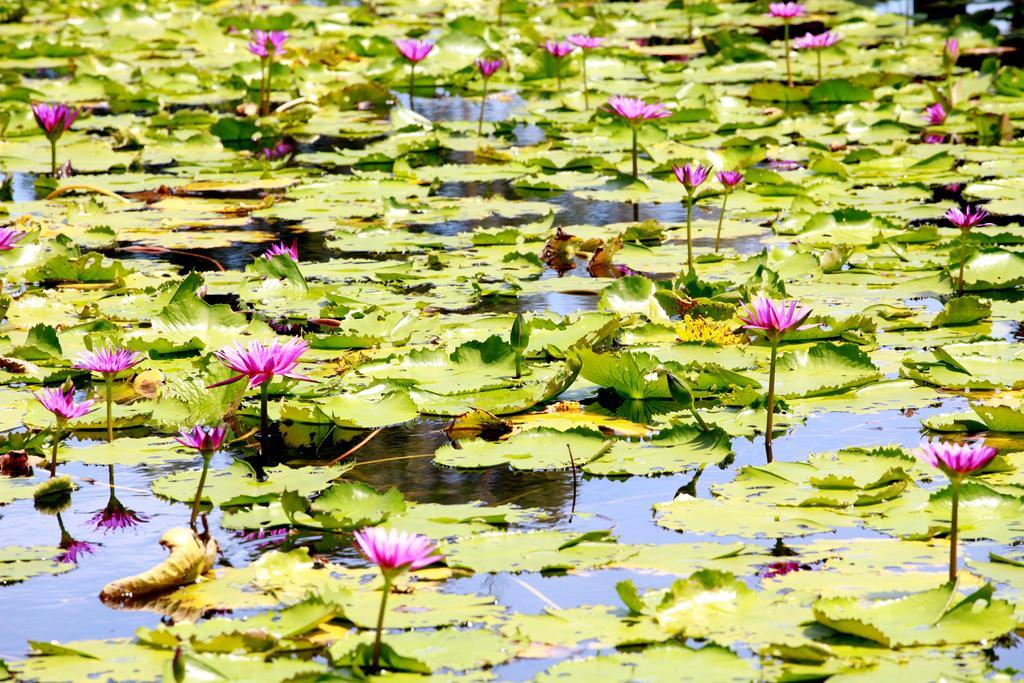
point(66, 607)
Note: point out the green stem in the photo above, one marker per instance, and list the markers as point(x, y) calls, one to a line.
point(558, 73)
point(698, 418)
point(483, 104)
point(789, 70)
point(721, 217)
point(586, 88)
point(635, 176)
point(108, 378)
point(57, 436)
point(771, 395)
point(963, 262)
point(53, 158)
point(264, 395)
point(689, 231)
point(412, 86)
point(375, 664)
point(819, 65)
point(953, 529)
point(199, 491)
point(689, 20)
point(519, 365)
point(501, 12)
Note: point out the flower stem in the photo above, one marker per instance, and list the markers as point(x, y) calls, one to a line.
point(635, 177)
point(501, 12)
point(264, 394)
point(483, 104)
point(412, 86)
point(558, 73)
point(199, 491)
point(819, 65)
point(963, 262)
point(586, 89)
point(108, 378)
point(789, 69)
point(519, 365)
point(57, 435)
point(53, 158)
point(689, 231)
point(953, 529)
point(771, 396)
point(375, 664)
point(721, 217)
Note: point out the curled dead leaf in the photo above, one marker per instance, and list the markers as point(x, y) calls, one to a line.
point(190, 558)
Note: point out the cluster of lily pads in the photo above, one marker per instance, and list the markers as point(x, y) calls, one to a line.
point(618, 242)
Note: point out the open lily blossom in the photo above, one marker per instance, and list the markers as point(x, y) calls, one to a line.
point(585, 42)
point(278, 151)
point(414, 50)
point(280, 248)
point(957, 462)
point(786, 10)
point(729, 180)
point(819, 41)
point(61, 402)
point(690, 176)
point(394, 552)
point(557, 48)
point(54, 119)
point(636, 110)
point(266, 44)
point(935, 115)
point(203, 439)
point(967, 218)
point(9, 238)
point(487, 68)
point(773, 319)
point(259, 363)
point(108, 361)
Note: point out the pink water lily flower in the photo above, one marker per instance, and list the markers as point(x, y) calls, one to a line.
point(73, 550)
point(488, 67)
point(729, 179)
point(935, 114)
point(414, 50)
point(774, 318)
point(203, 439)
point(9, 237)
point(585, 42)
point(266, 44)
point(967, 218)
point(280, 248)
point(557, 48)
point(954, 459)
point(54, 118)
point(691, 176)
point(816, 41)
point(62, 403)
point(396, 551)
point(278, 151)
point(635, 110)
point(786, 10)
point(108, 361)
point(115, 516)
point(260, 362)
point(951, 51)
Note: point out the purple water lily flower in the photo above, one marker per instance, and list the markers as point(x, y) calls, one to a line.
point(53, 118)
point(585, 43)
point(108, 362)
point(957, 462)
point(280, 248)
point(965, 220)
point(278, 151)
point(394, 552)
point(558, 50)
point(204, 439)
point(10, 237)
point(115, 516)
point(691, 176)
point(817, 42)
point(636, 111)
point(414, 51)
point(787, 11)
point(62, 403)
point(487, 68)
point(267, 44)
point(935, 114)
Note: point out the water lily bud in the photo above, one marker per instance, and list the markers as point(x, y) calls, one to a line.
point(520, 337)
point(679, 391)
point(178, 665)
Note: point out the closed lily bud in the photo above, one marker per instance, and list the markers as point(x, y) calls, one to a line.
point(520, 337)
